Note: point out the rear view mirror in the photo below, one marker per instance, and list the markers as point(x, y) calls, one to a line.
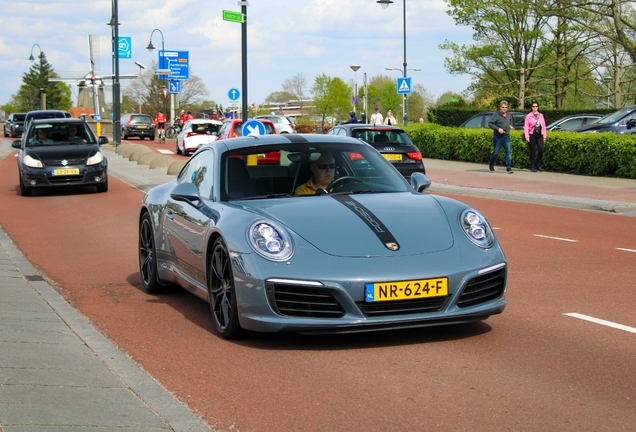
point(631, 123)
point(15, 144)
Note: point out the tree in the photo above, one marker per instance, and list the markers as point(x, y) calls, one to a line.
point(419, 101)
point(331, 97)
point(58, 95)
point(296, 86)
point(278, 97)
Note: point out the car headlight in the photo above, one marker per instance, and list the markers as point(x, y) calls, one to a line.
point(270, 241)
point(95, 159)
point(32, 162)
point(476, 228)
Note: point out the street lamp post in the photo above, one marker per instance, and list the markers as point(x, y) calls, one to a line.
point(355, 68)
point(42, 94)
point(385, 4)
point(114, 25)
point(150, 48)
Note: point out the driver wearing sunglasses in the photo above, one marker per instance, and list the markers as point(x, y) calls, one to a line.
point(323, 174)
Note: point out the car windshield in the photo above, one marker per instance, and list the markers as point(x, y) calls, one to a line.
point(289, 169)
point(60, 133)
point(19, 117)
point(382, 136)
point(614, 117)
point(140, 119)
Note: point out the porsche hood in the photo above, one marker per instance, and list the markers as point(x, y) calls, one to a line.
point(389, 224)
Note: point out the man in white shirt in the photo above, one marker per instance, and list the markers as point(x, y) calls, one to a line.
point(376, 117)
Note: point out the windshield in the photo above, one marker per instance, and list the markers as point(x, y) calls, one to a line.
point(614, 117)
point(60, 133)
point(19, 117)
point(286, 170)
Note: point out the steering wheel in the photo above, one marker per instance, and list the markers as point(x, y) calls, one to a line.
point(336, 182)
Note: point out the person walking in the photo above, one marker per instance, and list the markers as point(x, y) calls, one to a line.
point(501, 123)
point(534, 130)
point(376, 117)
point(390, 120)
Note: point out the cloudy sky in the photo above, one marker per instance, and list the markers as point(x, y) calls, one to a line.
point(285, 38)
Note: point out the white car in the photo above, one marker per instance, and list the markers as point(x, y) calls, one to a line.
point(283, 124)
point(195, 133)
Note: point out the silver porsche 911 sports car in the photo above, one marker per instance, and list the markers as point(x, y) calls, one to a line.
point(317, 234)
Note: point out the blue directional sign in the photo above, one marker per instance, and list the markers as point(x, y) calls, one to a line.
point(234, 94)
point(404, 85)
point(177, 62)
point(174, 86)
point(253, 127)
point(125, 47)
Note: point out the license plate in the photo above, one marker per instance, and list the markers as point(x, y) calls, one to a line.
point(142, 127)
point(66, 171)
point(406, 290)
point(392, 157)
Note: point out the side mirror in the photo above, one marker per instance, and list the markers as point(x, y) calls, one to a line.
point(420, 182)
point(186, 192)
point(103, 140)
point(16, 144)
point(631, 123)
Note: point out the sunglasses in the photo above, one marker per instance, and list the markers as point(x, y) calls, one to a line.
point(326, 166)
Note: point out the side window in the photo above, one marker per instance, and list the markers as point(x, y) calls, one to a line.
point(571, 124)
point(627, 118)
point(199, 172)
point(475, 122)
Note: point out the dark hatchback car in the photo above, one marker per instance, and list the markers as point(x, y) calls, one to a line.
point(391, 141)
point(138, 125)
point(61, 152)
point(481, 120)
point(618, 122)
point(571, 122)
point(14, 125)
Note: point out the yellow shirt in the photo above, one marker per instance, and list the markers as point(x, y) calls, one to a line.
point(306, 189)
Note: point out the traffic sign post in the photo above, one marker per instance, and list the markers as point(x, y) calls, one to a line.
point(177, 62)
point(253, 128)
point(404, 86)
point(236, 17)
point(174, 86)
point(234, 94)
point(124, 45)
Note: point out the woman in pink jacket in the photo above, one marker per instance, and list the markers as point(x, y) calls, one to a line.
point(535, 133)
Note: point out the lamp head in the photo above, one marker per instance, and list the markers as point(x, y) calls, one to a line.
point(354, 67)
point(150, 47)
point(384, 3)
point(31, 58)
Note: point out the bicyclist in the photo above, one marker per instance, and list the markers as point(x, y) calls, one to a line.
point(160, 118)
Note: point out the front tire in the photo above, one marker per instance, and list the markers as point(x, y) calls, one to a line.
point(25, 191)
point(148, 256)
point(222, 292)
point(103, 187)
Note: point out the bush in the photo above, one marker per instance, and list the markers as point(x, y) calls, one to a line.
point(593, 154)
point(305, 128)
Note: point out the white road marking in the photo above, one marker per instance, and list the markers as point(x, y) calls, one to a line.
point(556, 238)
point(626, 250)
point(165, 151)
point(602, 322)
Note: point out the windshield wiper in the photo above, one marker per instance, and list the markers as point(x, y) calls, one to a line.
point(274, 195)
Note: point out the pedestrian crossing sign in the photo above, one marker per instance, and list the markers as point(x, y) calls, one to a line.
point(404, 85)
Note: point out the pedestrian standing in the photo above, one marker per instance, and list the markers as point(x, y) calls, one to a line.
point(376, 117)
point(390, 120)
point(501, 123)
point(535, 133)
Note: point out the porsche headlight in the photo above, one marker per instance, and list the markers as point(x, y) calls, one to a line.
point(270, 241)
point(32, 162)
point(476, 228)
point(95, 159)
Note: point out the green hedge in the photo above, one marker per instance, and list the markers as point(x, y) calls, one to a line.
point(592, 154)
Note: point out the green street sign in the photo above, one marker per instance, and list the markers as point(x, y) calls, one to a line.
point(232, 16)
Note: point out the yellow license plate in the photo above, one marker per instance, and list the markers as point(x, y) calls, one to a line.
point(66, 171)
point(406, 290)
point(142, 127)
point(393, 157)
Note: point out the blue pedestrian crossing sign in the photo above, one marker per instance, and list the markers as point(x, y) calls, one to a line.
point(253, 127)
point(234, 94)
point(404, 85)
point(174, 86)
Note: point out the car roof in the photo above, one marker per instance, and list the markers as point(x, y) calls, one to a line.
point(204, 121)
point(369, 126)
point(263, 140)
point(57, 120)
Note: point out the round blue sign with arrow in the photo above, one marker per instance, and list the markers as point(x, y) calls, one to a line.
point(253, 127)
point(234, 94)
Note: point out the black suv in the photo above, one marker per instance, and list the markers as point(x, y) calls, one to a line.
point(14, 124)
point(139, 125)
point(620, 122)
point(481, 120)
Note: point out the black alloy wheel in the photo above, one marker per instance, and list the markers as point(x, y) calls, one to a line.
point(222, 292)
point(147, 256)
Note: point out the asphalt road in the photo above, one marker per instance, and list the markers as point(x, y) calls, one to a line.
point(532, 368)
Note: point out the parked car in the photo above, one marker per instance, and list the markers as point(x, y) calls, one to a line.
point(14, 125)
point(195, 133)
point(615, 122)
point(481, 120)
point(574, 121)
point(138, 125)
point(60, 152)
point(233, 128)
point(283, 124)
point(391, 141)
point(373, 253)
